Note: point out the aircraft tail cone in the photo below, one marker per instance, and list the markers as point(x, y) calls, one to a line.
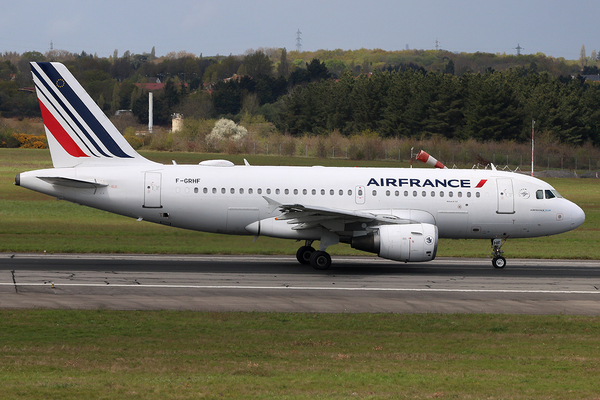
point(427, 159)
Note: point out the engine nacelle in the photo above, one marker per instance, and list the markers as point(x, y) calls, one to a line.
point(408, 243)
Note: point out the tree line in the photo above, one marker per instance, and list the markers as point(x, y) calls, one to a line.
point(496, 105)
point(394, 94)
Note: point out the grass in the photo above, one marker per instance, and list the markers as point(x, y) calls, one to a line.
point(162, 354)
point(33, 222)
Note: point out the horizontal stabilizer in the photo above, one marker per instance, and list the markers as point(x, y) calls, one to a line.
point(73, 183)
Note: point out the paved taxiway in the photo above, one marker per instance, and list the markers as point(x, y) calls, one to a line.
point(279, 283)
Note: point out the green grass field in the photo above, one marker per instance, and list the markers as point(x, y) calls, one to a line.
point(58, 354)
point(34, 222)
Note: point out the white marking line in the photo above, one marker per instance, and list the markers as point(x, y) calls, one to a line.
point(306, 288)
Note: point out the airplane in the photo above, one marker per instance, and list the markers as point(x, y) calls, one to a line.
point(396, 213)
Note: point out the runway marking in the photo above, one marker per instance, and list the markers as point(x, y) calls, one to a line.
point(363, 289)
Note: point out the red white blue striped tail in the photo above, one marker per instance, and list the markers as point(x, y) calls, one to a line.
point(78, 132)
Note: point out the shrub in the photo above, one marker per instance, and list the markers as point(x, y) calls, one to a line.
point(29, 141)
point(225, 130)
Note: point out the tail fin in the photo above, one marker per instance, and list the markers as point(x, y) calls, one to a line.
point(78, 132)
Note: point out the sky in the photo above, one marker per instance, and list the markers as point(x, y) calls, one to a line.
point(556, 28)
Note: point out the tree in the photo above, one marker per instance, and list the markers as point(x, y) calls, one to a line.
point(317, 70)
point(582, 57)
point(257, 64)
point(283, 69)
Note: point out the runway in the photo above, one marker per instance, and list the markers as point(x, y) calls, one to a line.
point(279, 283)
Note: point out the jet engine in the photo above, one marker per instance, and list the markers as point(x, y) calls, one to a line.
point(408, 243)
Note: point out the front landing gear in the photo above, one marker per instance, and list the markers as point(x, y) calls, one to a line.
point(498, 261)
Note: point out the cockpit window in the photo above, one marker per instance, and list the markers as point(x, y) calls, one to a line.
point(550, 194)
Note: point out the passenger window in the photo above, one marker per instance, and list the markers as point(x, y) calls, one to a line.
point(331, 192)
point(349, 192)
point(286, 191)
point(374, 192)
point(259, 191)
point(232, 190)
point(195, 190)
point(341, 192)
point(397, 193)
point(469, 194)
point(268, 191)
point(314, 191)
point(304, 191)
point(406, 193)
point(424, 193)
point(276, 191)
point(459, 194)
point(478, 195)
point(295, 191)
point(387, 193)
point(360, 192)
point(250, 191)
point(205, 190)
point(539, 194)
point(432, 193)
point(223, 190)
point(442, 193)
point(241, 191)
point(214, 190)
point(322, 192)
point(414, 193)
point(451, 194)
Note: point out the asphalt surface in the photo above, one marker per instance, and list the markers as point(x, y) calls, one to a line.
point(279, 283)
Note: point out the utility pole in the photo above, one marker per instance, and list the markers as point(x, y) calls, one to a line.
point(298, 41)
point(532, 142)
point(519, 48)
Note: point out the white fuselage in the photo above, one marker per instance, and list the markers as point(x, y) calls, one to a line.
point(226, 199)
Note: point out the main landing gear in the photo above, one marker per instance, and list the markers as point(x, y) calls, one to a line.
point(317, 258)
point(498, 261)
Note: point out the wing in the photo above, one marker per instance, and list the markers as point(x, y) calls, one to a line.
point(340, 220)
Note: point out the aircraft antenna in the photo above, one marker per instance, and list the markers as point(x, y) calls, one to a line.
point(298, 41)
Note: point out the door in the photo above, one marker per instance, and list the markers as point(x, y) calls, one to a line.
point(152, 184)
point(506, 198)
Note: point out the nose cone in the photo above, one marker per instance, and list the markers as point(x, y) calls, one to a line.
point(577, 216)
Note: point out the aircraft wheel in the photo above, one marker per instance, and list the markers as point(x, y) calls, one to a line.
point(303, 254)
point(499, 262)
point(320, 260)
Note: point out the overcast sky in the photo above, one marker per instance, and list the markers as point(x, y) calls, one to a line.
point(554, 27)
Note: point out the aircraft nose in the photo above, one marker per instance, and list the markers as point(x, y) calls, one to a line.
point(577, 216)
